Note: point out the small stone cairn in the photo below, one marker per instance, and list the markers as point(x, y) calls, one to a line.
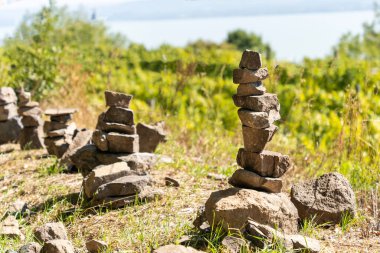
point(10, 122)
point(32, 134)
point(59, 131)
point(258, 111)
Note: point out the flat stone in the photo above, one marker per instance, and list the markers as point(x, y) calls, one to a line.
point(9, 228)
point(7, 95)
point(265, 103)
point(254, 119)
point(18, 207)
point(104, 174)
point(69, 130)
point(52, 126)
point(249, 76)
point(30, 104)
point(256, 139)
point(58, 246)
point(124, 186)
point(327, 198)
point(235, 245)
point(114, 127)
point(171, 248)
point(250, 180)
point(8, 111)
point(96, 246)
point(250, 89)
point(119, 115)
point(150, 136)
point(10, 130)
point(233, 207)
point(250, 60)
point(59, 111)
point(266, 163)
point(117, 99)
point(31, 138)
point(304, 244)
point(50, 231)
point(65, 118)
point(31, 247)
point(123, 143)
point(32, 121)
point(29, 111)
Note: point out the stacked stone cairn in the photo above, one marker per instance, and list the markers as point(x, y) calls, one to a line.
point(32, 134)
point(116, 184)
point(10, 122)
point(59, 131)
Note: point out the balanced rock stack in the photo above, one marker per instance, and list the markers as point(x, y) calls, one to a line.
point(258, 111)
point(256, 192)
point(59, 131)
point(32, 134)
point(10, 123)
point(116, 131)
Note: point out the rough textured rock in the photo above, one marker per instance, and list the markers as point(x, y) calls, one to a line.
point(250, 180)
point(250, 60)
point(233, 207)
point(31, 138)
point(265, 103)
point(53, 125)
point(304, 244)
point(100, 140)
point(18, 207)
point(123, 143)
point(29, 111)
point(117, 99)
point(171, 248)
point(234, 244)
point(32, 247)
point(51, 231)
point(32, 121)
point(61, 118)
point(266, 163)
point(81, 138)
point(57, 145)
point(9, 228)
point(119, 115)
point(256, 139)
point(123, 186)
point(328, 198)
point(96, 246)
point(60, 111)
point(7, 95)
point(8, 111)
point(254, 119)
point(249, 76)
point(250, 89)
point(58, 246)
point(114, 127)
point(104, 174)
point(10, 130)
point(150, 136)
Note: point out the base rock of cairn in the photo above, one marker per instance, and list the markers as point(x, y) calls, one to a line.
point(32, 134)
point(257, 195)
point(10, 122)
point(59, 132)
point(124, 179)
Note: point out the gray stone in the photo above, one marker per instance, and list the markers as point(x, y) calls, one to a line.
point(31, 138)
point(100, 140)
point(123, 143)
point(50, 231)
point(10, 130)
point(233, 207)
point(104, 174)
point(53, 125)
point(9, 228)
point(29, 111)
point(31, 247)
point(119, 115)
point(84, 158)
point(266, 163)
point(326, 198)
point(234, 244)
point(57, 145)
point(96, 246)
point(65, 118)
point(255, 139)
point(250, 60)
point(18, 207)
point(8, 111)
point(58, 246)
point(114, 127)
point(250, 180)
point(171, 248)
point(70, 130)
point(117, 99)
point(249, 76)
point(150, 136)
point(250, 89)
point(304, 244)
point(59, 111)
point(7, 95)
point(254, 119)
point(265, 103)
point(32, 121)
point(80, 139)
point(124, 186)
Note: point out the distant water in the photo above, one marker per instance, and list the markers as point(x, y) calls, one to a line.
point(291, 36)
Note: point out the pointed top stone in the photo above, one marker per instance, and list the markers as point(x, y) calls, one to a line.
point(117, 99)
point(250, 60)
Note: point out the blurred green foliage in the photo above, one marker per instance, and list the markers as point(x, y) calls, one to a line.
point(329, 106)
